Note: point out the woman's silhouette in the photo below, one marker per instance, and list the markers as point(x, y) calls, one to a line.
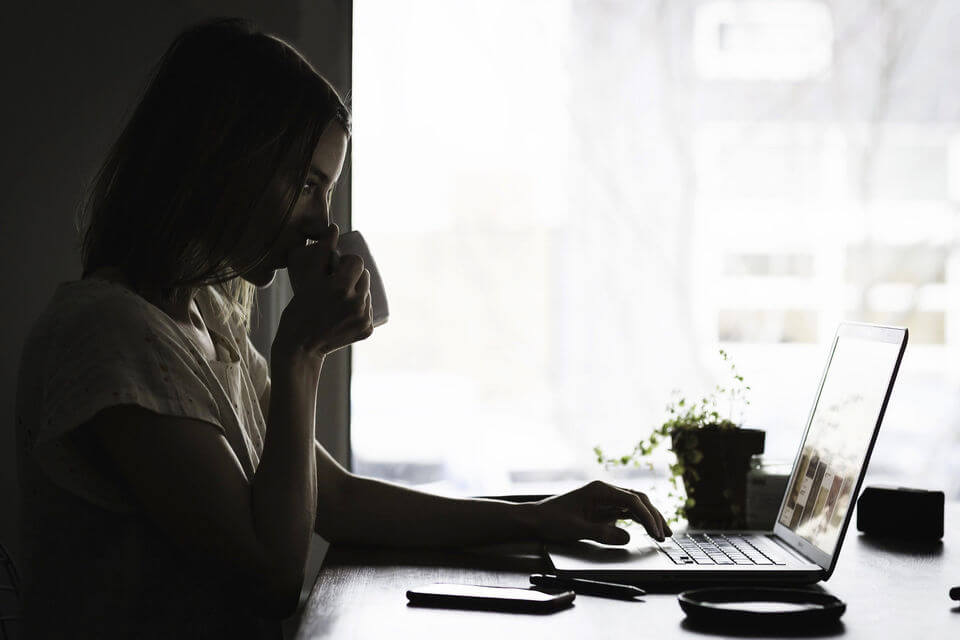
point(171, 483)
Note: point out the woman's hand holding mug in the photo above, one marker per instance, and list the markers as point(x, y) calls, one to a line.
point(331, 305)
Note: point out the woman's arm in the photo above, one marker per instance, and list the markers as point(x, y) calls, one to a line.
point(373, 512)
point(359, 510)
point(353, 509)
point(188, 481)
point(347, 506)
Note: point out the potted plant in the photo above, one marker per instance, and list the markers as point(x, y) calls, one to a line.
point(713, 453)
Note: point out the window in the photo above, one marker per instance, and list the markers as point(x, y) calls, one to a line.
point(763, 40)
point(572, 216)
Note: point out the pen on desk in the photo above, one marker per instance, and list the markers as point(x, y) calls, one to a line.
point(587, 587)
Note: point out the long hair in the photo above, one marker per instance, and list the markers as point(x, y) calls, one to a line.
point(204, 176)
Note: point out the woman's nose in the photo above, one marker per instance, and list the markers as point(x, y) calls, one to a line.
point(315, 221)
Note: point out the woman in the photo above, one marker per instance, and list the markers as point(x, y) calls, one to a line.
point(171, 483)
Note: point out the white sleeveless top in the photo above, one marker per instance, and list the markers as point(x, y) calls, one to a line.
point(93, 566)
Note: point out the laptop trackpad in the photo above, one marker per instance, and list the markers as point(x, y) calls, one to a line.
point(586, 555)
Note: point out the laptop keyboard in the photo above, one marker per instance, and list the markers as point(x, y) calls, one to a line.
point(718, 549)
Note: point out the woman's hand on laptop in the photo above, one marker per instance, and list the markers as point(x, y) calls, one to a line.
point(591, 512)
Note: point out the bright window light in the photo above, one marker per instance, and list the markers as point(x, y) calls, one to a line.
point(572, 217)
point(763, 40)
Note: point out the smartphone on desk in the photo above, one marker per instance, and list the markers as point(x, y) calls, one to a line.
point(469, 596)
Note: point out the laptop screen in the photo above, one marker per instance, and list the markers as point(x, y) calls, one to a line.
point(841, 428)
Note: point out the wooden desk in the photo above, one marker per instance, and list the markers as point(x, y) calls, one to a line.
point(891, 591)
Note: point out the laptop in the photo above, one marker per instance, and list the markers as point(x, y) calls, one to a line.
point(816, 508)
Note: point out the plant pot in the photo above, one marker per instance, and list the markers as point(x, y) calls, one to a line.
point(715, 465)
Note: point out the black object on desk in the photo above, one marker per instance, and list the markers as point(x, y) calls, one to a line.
point(912, 514)
point(761, 607)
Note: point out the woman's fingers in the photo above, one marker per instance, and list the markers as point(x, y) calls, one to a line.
point(617, 497)
point(608, 513)
point(663, 521)
point(647, 517)
point(652, 509)
point(591, 512)
point(362, 287)
point(349, 271)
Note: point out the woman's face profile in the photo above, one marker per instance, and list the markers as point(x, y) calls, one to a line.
point(312, 206)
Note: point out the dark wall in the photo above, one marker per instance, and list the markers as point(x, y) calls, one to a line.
point(71, 75)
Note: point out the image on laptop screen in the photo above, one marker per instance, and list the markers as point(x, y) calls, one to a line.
point(836, 444)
